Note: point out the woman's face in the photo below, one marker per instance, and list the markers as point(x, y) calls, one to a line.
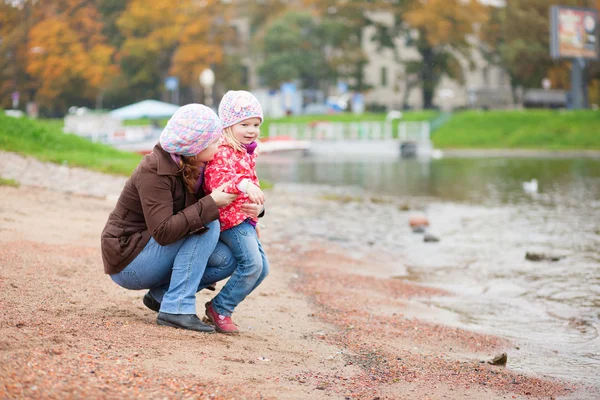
point(208, 153)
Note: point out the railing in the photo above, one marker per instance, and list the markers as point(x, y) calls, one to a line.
point(337, 131)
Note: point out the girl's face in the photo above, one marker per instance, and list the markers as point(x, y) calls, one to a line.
point(208, 153)
point(246, 131)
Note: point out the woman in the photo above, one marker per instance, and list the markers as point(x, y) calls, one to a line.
point(163, 233)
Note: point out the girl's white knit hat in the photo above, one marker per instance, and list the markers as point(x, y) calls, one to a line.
point(237, 106)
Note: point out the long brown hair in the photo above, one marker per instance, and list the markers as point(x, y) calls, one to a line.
point(190, 169)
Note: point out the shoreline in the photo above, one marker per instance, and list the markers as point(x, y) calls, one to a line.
point(519, 153)
point(319, 328)
point(331, 321)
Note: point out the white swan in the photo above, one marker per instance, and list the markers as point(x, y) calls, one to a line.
point(531, 186)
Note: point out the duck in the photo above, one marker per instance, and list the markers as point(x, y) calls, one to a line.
point(531, 186)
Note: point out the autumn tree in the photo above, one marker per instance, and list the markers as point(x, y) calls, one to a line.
point(169, 38)
point(298, 46)
point(261, 13)
point(201, 43)
point(442, 31)
point(67, 53)
point(110, 11)
point(13, 48)
point(353, 16)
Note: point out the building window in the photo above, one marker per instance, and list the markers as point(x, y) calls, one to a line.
point(384, 76)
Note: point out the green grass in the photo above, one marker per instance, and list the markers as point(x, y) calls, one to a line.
point(45, 141)
point(527, 129)
point(348, 117)
point(145, 121)
point(8, 182)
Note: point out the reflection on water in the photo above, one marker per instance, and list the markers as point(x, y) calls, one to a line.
point(487, 223)
point(481, 180)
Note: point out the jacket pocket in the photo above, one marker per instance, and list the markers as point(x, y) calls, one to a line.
point(118, 244)
point(113, 231)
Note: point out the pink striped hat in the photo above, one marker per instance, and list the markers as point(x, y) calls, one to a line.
point(190, 130)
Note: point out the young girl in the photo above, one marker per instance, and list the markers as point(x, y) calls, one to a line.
point(241, 115)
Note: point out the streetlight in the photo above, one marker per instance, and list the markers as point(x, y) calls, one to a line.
point(207, 80)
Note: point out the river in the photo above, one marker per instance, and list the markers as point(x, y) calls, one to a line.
point(487, 222)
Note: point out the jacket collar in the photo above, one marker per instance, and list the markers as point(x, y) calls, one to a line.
point(165, 164)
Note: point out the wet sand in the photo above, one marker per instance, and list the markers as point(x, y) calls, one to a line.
point(319, 327)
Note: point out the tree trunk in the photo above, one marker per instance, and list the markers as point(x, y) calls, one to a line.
point(99, 99)
point(428, 80)
point(427, 98)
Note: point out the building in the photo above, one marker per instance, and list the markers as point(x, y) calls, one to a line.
point(485, 86)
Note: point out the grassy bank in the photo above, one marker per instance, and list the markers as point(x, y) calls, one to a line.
point(530, 129)
point(45, 141)
point(8, 182)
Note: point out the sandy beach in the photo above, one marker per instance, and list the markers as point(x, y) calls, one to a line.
point(318, 328)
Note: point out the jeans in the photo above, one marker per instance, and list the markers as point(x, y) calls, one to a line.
point(252, 267)
point(174, 273)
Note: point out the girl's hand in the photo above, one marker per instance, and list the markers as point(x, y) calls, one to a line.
point(222, 198)
point(251, 209)
point(255, 194)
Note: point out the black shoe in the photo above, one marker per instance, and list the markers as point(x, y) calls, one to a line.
point(212, 286)
point(154, 305)
point(151, 303)
point(184, 321)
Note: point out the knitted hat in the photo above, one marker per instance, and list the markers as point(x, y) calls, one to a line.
point(190, 130)
point(237, 106)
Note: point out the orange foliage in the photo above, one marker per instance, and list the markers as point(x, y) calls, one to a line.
point(67, 49)
point(56, 56)
point(183, 35)
point(200, 44)
point(11, 46)
point(446, 22)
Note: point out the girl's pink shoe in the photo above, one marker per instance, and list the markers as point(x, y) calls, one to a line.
point(223, 324)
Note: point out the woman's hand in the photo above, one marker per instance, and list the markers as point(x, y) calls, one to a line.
point(255, 194)
point(222, 198)
point(251, 209)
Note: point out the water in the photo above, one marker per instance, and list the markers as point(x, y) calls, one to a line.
point(487, 222)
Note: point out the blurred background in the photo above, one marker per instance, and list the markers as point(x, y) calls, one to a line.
point(307, 56)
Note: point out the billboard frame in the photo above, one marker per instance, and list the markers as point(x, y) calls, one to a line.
point(555, 52)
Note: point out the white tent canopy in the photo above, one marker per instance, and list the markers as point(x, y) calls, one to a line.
point(145, 109)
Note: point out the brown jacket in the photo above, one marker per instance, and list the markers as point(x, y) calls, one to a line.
point(153, 203)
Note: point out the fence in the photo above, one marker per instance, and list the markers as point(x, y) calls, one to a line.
point(338, 131)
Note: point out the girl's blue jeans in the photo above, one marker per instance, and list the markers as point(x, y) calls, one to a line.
point(252, 267)
point(176, 272)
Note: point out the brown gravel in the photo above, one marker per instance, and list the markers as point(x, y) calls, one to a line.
point(314, 329)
